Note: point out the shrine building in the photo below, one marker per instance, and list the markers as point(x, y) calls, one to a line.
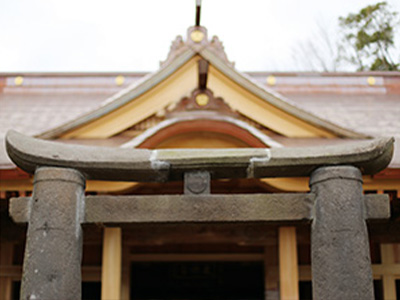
point(225, 202)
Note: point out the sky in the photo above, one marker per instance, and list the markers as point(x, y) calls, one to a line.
point(135, 35)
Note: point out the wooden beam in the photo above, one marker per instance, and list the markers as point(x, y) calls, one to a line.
point(288, 267)
point(271, 278)
point(111, 266)
point(198, 257)
point(284, 184)
point(305, 273)
point(93, 273)
point(12, 271)
point(152, 234)
point(203, 73)
point(89, 273)
point(386, 269)
point(126, 272)
point(6, 257)
point(388, 281)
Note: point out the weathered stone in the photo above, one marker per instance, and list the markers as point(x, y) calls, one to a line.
point(341, 262)
point(20, 209)
point(196, 183)
point(376, 206)
point(198, 208)
point(170, 164)
point(52, 262)
point(340, 259)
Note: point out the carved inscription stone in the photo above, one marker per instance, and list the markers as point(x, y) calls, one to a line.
point(197, 183)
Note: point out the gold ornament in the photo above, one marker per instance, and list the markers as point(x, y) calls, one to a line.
point(119, 80)
point(197, 36)
point(202, 99)
point(271, 80)
point(19, 80)
point(371, 80)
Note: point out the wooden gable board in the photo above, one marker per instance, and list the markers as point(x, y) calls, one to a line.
point(177, 80)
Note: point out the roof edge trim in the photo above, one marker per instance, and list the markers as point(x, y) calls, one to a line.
point(137, 141)
point(121, 98)
point(278, 100)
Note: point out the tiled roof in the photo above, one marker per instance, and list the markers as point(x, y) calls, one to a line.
point(368, 103)
point(45, 101)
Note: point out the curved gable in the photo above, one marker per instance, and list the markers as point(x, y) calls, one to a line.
point(178, 77)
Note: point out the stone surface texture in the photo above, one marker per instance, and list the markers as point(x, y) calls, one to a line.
point(103, 163)
point(52, 261)
point(196, 183)
point(162, 208)
point(198, 208)
point(340, 258)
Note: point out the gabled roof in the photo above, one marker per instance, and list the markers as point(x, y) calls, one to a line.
point(178, 77)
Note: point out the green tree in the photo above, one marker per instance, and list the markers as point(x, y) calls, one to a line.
point(368, 38)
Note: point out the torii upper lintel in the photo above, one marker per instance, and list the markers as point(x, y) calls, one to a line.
point(101, 163)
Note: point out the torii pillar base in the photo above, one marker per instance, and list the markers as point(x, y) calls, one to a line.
point(52, 262)
point(341, 263)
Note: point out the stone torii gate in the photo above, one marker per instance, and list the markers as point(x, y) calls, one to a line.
point(341, 265)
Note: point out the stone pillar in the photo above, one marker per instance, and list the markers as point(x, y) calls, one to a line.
point(52, 262)
point(341, 264)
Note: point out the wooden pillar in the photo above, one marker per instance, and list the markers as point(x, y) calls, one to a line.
point(271, 282)
point(6, 257)
point(53, 253)
point(340, 258)
point(288, 265)
point(126, 273)
point(111, 265)
point(388, 281)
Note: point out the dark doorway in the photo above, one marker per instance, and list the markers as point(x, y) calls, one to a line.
point(90, 290)
point(197, 280)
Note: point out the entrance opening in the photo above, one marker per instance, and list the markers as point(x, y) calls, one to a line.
point(208, 280)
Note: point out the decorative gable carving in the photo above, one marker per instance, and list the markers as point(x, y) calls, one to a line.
point(218, 48)
point(196, 40)
point(203, 100)
point(178, 46)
